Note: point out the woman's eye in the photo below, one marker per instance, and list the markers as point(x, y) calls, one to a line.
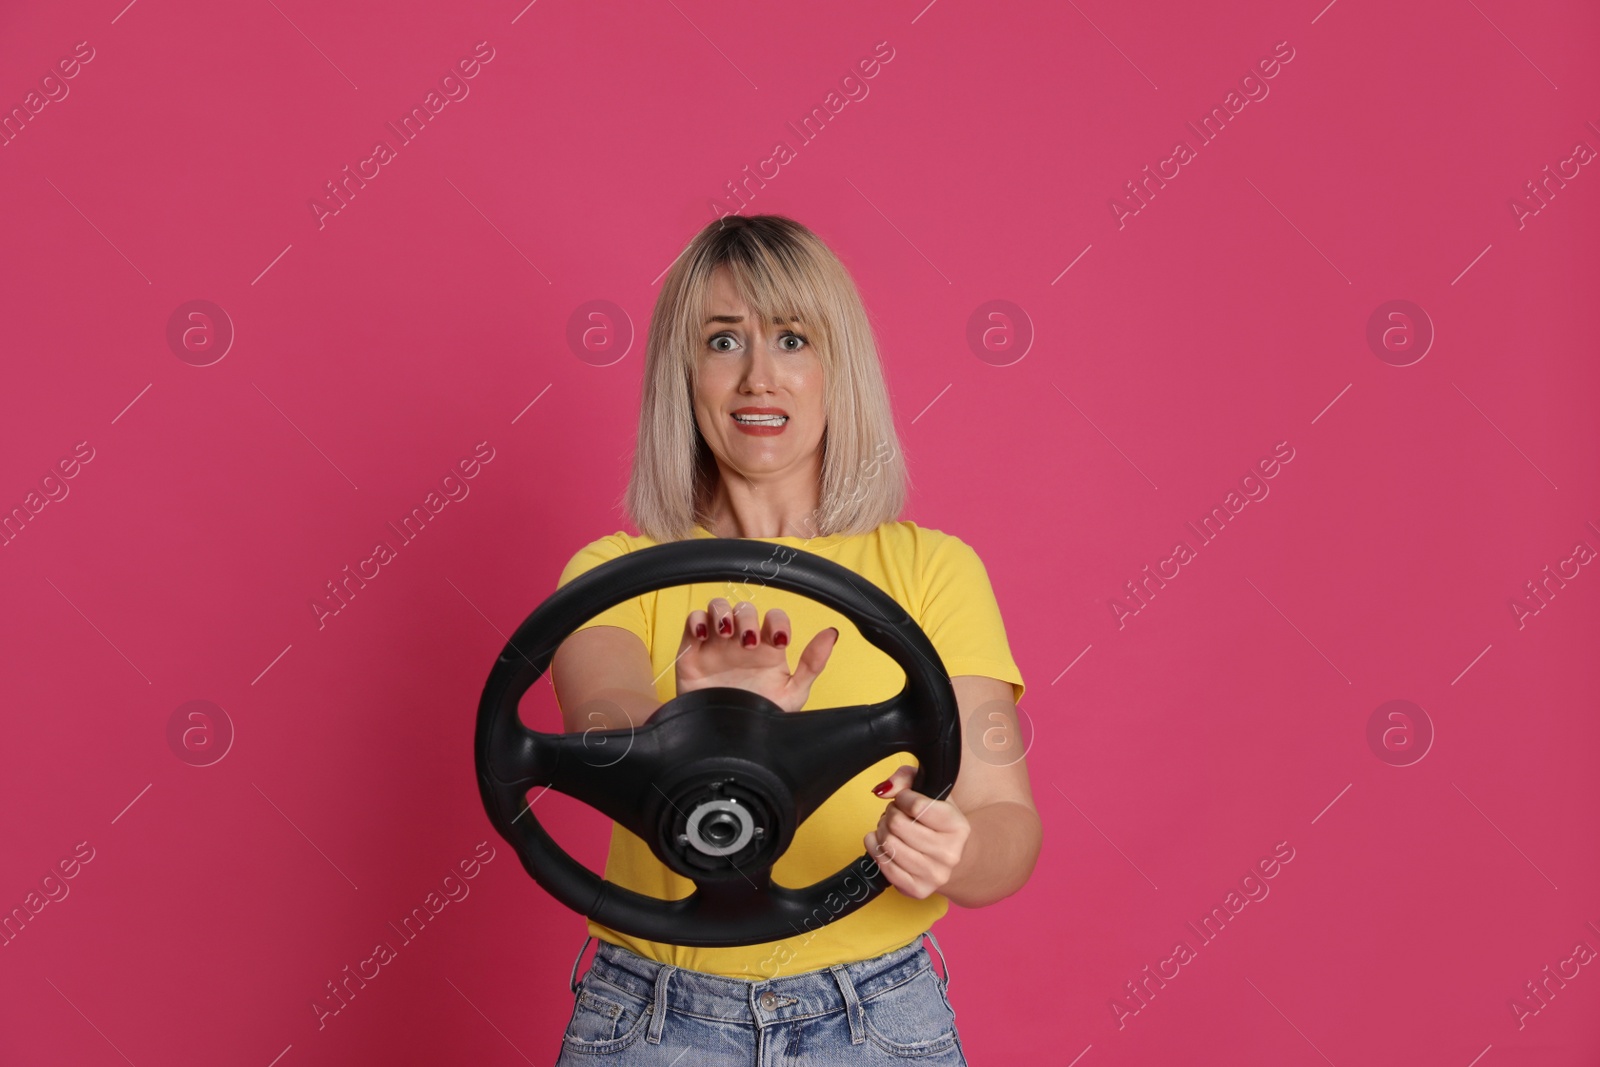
point(720, 337)
point(792, 335)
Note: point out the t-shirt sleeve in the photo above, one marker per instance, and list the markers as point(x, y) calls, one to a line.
point(962, 618)
point(631, 614)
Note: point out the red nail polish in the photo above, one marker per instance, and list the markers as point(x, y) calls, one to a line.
point(780, 639)
point(725, 626)
point(750, 639)
point(700, 631)
point(883, 787)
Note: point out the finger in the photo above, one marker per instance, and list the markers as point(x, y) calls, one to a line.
point(925, 809)
point(928, 840)
point(895, 876)
point(697, 625)
point(775, 628)
point(721, 617)
point(745, 624)
point(925, 840)
point(919, 866)
point(942, 845)
point(887, 857)
point(897, 782)
point(815, 657)
point(882, 855)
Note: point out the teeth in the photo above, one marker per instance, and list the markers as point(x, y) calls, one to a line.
point(763, 420)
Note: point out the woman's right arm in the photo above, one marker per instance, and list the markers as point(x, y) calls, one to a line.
point(603, 680)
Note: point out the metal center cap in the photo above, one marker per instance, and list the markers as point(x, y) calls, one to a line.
point(720, 827)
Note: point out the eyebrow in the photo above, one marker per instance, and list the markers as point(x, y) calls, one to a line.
point(740, 318)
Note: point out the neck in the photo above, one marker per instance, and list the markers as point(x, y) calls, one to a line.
point(741, 508)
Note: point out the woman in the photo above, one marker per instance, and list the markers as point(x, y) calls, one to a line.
point(765, 415)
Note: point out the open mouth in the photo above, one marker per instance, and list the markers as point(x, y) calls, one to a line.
point(761, 420)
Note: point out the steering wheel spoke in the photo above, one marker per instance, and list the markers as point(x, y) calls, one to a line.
point(819, 751)
point(612, 771)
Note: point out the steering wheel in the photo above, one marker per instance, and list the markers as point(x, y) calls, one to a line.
point(717, 780)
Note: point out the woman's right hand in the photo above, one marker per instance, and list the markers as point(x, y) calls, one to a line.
point(729, 645)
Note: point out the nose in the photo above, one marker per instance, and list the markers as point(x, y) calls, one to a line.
point(758, 369)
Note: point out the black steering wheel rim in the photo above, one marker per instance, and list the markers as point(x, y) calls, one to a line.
point(723, 751)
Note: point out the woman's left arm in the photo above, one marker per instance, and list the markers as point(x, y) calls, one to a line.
point(979, 844)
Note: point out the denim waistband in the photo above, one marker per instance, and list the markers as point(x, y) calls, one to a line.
point(827, 989)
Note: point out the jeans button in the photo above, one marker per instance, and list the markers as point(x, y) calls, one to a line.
point(769, 1001)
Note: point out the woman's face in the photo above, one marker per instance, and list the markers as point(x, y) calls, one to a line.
point(753, 368)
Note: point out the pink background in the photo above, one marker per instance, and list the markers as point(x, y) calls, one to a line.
point(1174, 748)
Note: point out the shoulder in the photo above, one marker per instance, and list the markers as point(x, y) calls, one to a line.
point(931, 549)
point(936, 563)
point(601, 550)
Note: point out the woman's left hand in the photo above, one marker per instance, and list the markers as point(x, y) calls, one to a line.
point(919, 840)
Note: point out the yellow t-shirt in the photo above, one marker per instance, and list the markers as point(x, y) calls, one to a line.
point(943, 585)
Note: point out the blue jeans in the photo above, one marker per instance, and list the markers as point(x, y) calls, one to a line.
point(634, 1012)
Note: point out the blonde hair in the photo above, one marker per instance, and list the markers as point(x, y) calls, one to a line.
point(781, 270)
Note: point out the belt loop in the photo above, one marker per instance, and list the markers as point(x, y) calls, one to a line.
point(945, 964)
point(659, 1007)
point(852, 1004)
point(575, 960)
